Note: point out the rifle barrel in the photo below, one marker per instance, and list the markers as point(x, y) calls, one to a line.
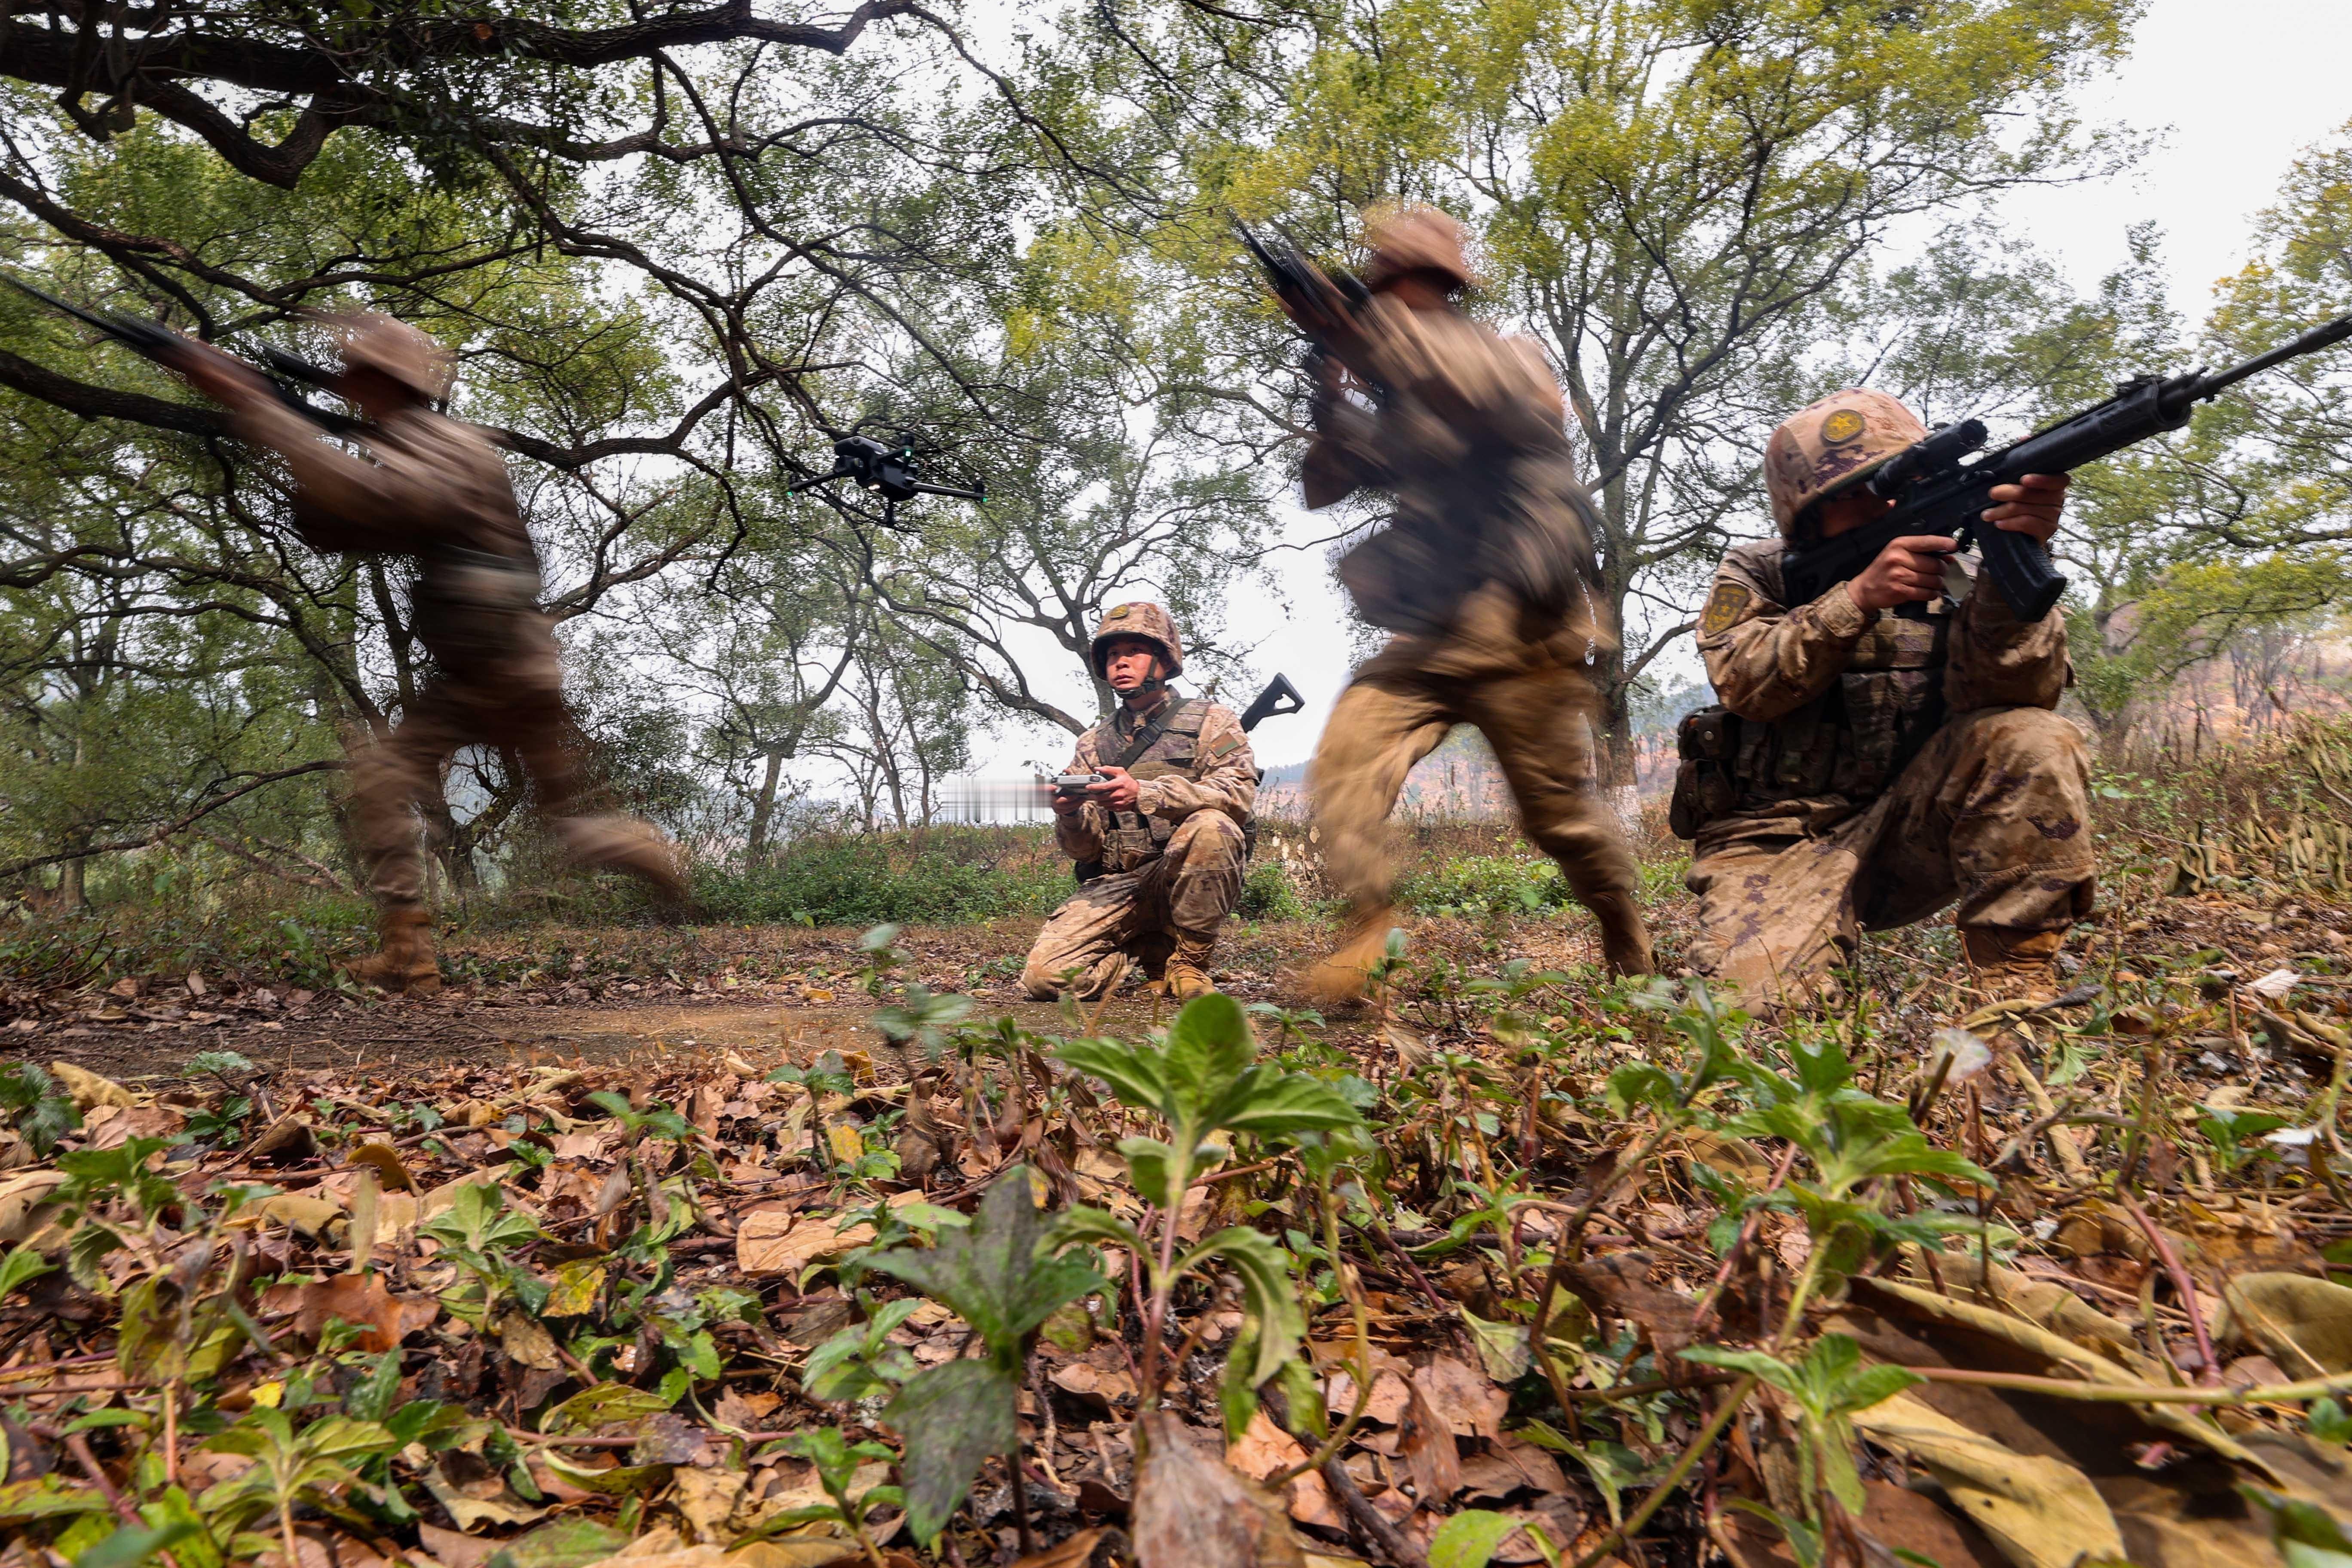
point(2318, 338)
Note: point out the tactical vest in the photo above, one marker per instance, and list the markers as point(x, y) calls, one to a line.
point(1133, 839)
point(1849, 743)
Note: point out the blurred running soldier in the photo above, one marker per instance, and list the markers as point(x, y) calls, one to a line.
point(1867, 768)
point(1484, 575)
point(416, 482)
point(1160, 845)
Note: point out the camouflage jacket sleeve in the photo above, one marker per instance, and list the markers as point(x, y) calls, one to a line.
point(391, 500)
point(1994, 660)
point(1488, 390)
point(1080, 834)
point(1228, 781)
point(1766, 659)
point(1344, 456)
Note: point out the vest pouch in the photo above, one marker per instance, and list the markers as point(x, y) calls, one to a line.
point(1128, 843)
point(1709, 742)
point(1889, 714)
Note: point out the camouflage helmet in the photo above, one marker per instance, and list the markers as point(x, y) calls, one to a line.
point(1415, 239)
point(1822, 448)
point(1140, 619)
point(372, 340)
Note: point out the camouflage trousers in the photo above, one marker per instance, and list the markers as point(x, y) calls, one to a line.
point(1537, 717)
point(1141, 914)
point(513, 702)
point(1994, 812)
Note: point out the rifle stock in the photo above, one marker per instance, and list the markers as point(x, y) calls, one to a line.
point(1937, 491)
point(1268, 704)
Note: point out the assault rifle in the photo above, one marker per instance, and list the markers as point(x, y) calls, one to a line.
point(1310, 292)
point(1938, 491)
point(172, 350)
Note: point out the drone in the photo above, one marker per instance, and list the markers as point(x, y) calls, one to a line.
point(890, 470)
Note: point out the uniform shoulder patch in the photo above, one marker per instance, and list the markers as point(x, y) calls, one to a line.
point(1724, 607)
point(1226, 747)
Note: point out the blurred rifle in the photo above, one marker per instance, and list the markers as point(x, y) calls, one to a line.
point(1312, 295)
point(1937, 490)
point(173, 350)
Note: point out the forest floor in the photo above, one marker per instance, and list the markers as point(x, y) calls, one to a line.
point(645, 1246)
point(659, 989)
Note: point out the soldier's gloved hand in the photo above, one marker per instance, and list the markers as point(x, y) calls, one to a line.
point(1909, 569)
point(1121, 792)
point(2030, 506)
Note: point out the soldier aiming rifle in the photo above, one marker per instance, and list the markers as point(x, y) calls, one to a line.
point(1885, 743)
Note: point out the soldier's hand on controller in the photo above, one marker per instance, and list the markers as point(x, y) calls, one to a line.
point(1119, 794)
point(1909, 569)
point(2030, 506)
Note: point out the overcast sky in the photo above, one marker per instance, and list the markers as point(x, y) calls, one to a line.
point(2233, 89)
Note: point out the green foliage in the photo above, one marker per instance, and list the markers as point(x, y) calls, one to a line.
point(1206, 1081)
point(661, 1121)
point(859, 1362)
point(1468, 1540)
point(476, 1232)
point(992, 1275)
point(39, 1109)
point(859, 880)
point(836, 1461)
point(2306, 1536)
point(2236, 1135)
point(291, 1465)
point(1268, 894)
point(1484, 887)
point(1827, 1386)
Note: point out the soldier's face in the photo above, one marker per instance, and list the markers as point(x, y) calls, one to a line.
point(1849, 510)
point(1128, 662)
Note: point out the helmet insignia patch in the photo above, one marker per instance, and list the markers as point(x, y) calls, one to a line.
point(1119, 612)
point(1844, 426)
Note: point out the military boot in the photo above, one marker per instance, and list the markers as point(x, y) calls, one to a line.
point(405, 960)
point(1341, 977)
point(1625, 940)
point(627, 844)
point(1187, 973)
point(2013, 965)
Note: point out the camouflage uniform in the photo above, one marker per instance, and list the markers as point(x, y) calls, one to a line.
point(1484, 575)
point(1878, 766)
point(432, 487)
point(1157, 882)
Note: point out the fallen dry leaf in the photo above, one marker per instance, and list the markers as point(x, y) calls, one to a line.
point(1425, 1443)
point(361, 1300)
point(1469, 1401)
point(1265, 1448)
point(1193, 1511)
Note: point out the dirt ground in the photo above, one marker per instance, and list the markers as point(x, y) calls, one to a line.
point(763, 992)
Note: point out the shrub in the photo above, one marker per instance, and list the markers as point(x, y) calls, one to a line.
point(1267, 894)
point(1487, 886)
point(873, 880)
